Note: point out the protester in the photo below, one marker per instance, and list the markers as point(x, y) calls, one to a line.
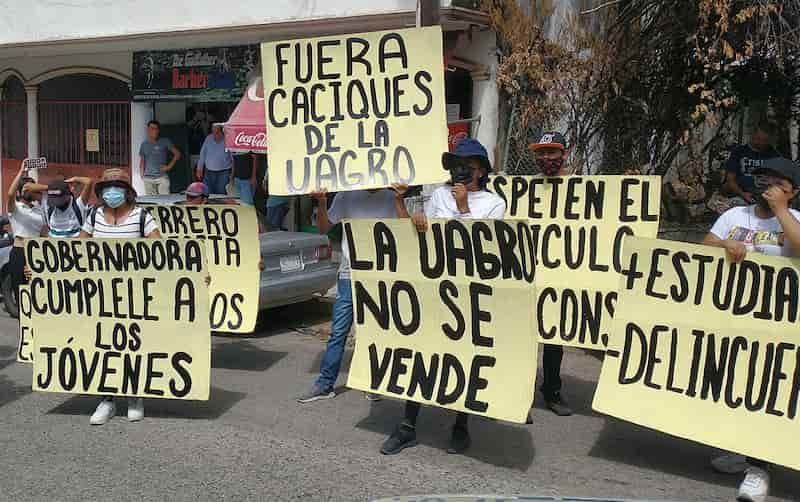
point(197, 194)
point(118, 217)
point(550, 153)
point(153, 165)
point(243, 177)
point(25, 216)
point(465, 197)
point(215, 164)
point(768, 226)
point(741, 163)
point(64, 214)
point(347, 205)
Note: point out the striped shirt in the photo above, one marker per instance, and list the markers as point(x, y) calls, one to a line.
point(128, 229)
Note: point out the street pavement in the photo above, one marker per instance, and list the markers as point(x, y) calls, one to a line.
point(252, 441)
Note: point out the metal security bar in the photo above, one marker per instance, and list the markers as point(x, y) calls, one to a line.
point(63, 127)
point(14, 120)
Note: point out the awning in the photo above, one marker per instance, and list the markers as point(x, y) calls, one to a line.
point(246, 129)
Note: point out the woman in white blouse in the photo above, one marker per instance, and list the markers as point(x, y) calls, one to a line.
point(27, 221)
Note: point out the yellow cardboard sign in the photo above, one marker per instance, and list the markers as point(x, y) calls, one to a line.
point(124, 317)
point(25, 346)
point(443, 317)
point(351, 112)
point(233, 251)
point(579, 224)
point(707, 350)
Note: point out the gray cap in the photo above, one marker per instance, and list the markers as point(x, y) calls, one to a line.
point(781, 166)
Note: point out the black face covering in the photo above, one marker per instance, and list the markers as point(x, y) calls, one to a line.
point(461, 172)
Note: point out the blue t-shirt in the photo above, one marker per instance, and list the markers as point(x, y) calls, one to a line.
point(155, 155)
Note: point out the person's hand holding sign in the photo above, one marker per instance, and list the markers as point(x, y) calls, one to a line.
point(320, 195)
point(421, 222)
point(736, 250)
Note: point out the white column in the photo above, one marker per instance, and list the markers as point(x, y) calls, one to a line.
point(141, 114)
point(32, 92)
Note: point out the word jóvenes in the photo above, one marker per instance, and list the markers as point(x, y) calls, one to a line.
point(115, 366)
point(455, 251)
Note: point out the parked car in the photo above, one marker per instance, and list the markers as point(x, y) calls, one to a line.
point(297, 265)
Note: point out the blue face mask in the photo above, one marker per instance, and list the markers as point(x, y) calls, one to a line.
point(114, 196)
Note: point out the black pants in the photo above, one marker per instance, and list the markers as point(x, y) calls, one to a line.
point(16, 264)
point(412, 412)
point(551, 367)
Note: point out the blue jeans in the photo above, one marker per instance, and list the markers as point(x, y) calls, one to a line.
point(216, 181)
point(275, 216)
point(340, 328)
point(246, 191)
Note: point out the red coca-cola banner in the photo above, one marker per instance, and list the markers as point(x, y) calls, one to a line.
point(245, 130)
point(458, 131)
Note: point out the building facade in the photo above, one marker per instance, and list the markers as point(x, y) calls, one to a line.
point(80, 80)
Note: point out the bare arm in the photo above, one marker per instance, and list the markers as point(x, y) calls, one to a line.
point(141, 165)
point(86, 186)
point(399, 201)
point(735, 250)
point(779, 200)
point(12, 192)
point(176, 156)
point(155, 234)
point(323, 223)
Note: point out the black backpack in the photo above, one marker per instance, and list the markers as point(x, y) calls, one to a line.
point(75, 209)
point(142, 219)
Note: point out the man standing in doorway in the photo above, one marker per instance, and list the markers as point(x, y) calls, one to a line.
point(153, 165)
point(215, 164)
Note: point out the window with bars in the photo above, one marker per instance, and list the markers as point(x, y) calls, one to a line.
point(14, 120)
point(63, 127)
point(85, 120)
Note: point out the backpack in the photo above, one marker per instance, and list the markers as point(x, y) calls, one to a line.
point(142, 219)
point(75, 209)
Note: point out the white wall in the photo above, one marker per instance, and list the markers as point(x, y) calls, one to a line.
point(47, 20)
point(485, 96)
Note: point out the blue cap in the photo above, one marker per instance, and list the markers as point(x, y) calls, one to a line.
point(467, 148)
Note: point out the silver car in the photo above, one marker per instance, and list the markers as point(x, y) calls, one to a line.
point(297, 265)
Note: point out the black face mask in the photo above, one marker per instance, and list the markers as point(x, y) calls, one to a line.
point(64, 205)
point(461, 172)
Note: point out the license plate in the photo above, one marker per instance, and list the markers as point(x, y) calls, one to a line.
point(291, 263)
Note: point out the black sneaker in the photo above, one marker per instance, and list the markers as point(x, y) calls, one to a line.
point(558, 405)
point(460, 440)
point(315, 394)
point(404, 436)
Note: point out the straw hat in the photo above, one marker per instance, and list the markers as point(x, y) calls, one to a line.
point(113, 177)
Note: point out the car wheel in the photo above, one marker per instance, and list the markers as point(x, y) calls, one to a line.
point(9, 301)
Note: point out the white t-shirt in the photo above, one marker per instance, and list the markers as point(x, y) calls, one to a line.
point(26, 222)
point(128, 229)
point(482, 205)
point(761, 235)
point(64, 222)
point(360, 204)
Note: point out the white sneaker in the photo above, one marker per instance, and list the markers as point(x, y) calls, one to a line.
point(135, 409)
point(731, 463)
point(105, 411)
point(755, 486)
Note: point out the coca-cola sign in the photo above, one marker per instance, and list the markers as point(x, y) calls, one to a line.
point(258, 140)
